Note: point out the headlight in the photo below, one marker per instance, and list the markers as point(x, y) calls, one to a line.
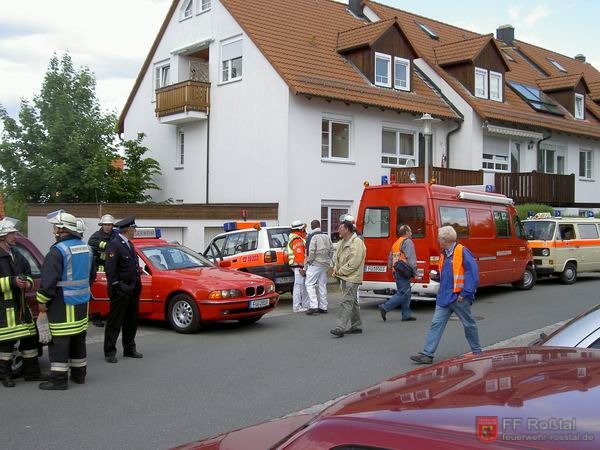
point(270, 288)
point(225, 293)
point(546, 252)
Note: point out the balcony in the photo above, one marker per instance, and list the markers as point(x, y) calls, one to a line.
point(439, 175)
point(534, 187)
point(183, 102)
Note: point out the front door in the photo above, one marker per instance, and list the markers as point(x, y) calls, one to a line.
point(515, 157)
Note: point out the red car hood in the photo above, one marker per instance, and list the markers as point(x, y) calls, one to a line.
point(440, 404)
point(216, 278)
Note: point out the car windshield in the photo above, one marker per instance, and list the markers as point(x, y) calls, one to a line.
point(539, 230)
point(174, 257)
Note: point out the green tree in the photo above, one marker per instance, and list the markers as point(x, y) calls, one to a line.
point(63, 145)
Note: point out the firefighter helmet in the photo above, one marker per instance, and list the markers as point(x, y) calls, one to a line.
point(106, 219)
point(8, 225)
point(63, 219)
point(298, 225)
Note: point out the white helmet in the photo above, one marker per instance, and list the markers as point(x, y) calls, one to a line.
point(81, 226)
point(63, 219)
point(347, 218)
point(106, 219)
point(8, 225)
point(298, 225)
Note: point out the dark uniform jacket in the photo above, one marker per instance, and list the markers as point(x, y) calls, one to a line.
point(65, 320)
point(16, 320)
point(122, 268)
point(99, 241)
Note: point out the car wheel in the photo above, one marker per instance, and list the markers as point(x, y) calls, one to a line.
point(569, 275)
point(250, 320)
point(183, 314)
point(527, 281)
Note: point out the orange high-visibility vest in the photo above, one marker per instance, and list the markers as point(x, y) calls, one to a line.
point(396, 252)
point(458, 271)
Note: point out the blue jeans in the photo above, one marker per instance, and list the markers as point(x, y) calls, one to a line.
point(440, 319)
point(401, 297)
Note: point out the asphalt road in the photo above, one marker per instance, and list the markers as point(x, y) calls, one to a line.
point(228, 376)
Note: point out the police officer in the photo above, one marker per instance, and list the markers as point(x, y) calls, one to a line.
point(16, 321)
point(124, 289)
point(64, 293)
point(100, 239)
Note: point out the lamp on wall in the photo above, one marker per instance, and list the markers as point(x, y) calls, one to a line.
point(530, 145)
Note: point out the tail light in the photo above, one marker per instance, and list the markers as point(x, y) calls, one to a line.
point(270, 256)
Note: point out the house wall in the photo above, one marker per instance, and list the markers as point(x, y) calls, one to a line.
point(314, 181)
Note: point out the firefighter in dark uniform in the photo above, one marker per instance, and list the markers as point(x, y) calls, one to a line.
point(67, 274)
point(16, 320)
point(124, 289)
point(100, 239)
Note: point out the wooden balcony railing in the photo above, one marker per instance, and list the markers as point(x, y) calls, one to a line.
point(440, 175)
point(534, 187)
point(182, 97)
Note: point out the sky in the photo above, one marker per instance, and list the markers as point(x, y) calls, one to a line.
point(113, 37)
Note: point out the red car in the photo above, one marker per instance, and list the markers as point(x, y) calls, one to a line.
point(186, 289)
point(543, 398)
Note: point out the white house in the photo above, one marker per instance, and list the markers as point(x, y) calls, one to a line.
point(299, 102)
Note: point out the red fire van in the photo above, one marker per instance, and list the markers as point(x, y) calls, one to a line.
point(487, 224)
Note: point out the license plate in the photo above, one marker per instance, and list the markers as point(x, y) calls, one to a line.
point(381, 269)
point(261, 303)
point(284, 280)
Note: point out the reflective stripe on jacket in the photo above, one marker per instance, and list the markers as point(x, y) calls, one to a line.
point(458, 270)
point(77, 263)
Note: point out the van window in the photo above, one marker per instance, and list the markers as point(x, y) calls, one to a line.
point(376, 223)
point(456, 218)
point(519, 231)
point(566, 232)
point(240, 242)
point(480, 223)
point(414, 217)
point(502, 224)
point(278, 237)
point(539, 231)
point(587, 231)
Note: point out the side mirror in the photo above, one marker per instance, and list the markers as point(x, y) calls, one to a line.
point(225, 264)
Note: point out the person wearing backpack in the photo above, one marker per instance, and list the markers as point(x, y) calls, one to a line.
point(67, 273)
point(403, 261)
point(319, 252)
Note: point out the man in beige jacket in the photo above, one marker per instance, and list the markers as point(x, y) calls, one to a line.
point(349, 262)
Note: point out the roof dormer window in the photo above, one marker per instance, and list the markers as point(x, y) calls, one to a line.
point(558, 65)
point(428, 31)
point(579, 106)
point(401, 74)
point(496, 86)
point(481, 83)
point(383, 70)
point(187, 10)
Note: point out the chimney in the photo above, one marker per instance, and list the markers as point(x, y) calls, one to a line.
point(580, 57)
point(356, 7)
point(506, 34)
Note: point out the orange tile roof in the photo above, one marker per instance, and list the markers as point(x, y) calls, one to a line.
point(514, 110)
point(299, 39)
point(550, 84)
point(595, 90)
point(363, 35)
point(465, 50)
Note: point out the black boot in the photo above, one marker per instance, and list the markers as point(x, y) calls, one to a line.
point(31, 370)
point(5, 374)
point(57, 382)
point(78, 374)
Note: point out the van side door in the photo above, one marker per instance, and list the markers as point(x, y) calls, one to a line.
point(481, 243)
point(506, 250)
point(589, 247)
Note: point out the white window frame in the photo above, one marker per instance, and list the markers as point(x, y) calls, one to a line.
point(157, 74)
point(580, 114)
point(498, 76)
point(387, 58)
point(229, 79)
point(496, 162)
point(406, 63)
point(415, 156)
point(559, 151)
point(334, 204)
point(180, 149)
point(480, 71)
point(331, 119)
point(201, 6)
point(187, 4)
point(589, 163)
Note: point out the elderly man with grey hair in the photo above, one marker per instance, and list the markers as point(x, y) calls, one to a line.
point(458, 282)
